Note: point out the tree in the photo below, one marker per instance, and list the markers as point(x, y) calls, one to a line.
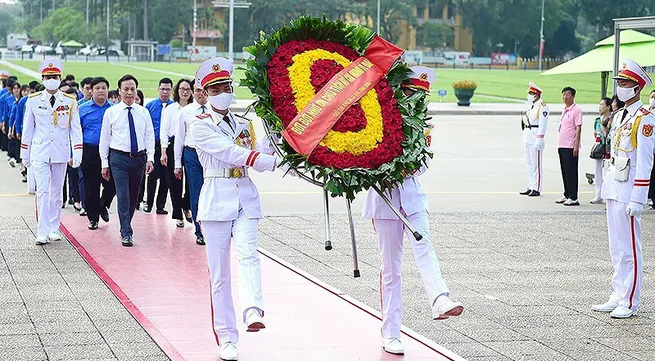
point(434, 35)
point(8, 16)
point(601, 12)
point(63, 24)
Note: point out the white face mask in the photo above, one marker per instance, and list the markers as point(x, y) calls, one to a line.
point(652, 102)
point(531, 98)
point(221, 101)
point(51, 84)
point(625, 94)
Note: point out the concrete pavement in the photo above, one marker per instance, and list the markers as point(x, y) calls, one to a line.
point(525, 268)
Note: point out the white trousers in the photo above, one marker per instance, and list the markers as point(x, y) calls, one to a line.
point(390, 241)
point(625, 249)
point(49, 185)
point(31, 182)
point(534, 166)
point(243, 232)
point(598, 177)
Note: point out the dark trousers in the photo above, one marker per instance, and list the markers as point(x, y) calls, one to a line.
point(4, 139)
point(160, 174)
point(651, 188)
point(127, 173)
point(569, 165)
point(73, 183)
point(186, 199)
point(80, 179)
point(175, 185)
point(13, 148)
point(193, 171)
point(92, 170)
point(142, 192)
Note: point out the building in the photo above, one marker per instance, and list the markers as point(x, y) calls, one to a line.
point(434, 11)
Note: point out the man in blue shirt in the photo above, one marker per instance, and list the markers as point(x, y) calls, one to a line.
point(86, 90)
point(18, 120)
point(155, 108)
point(4, 111)
point(91, 115)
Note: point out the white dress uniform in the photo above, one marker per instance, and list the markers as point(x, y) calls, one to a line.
point(534, 131)
point(49, 134)
point(229, 207)
point(186, 116)
point(632, 150)
point(412, 201)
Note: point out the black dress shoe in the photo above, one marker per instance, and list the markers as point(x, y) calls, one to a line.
point(161, 211)
point(93, 225)
point(127, 242)
point(200, 241)
point(527, 192)
point(147, 209)
point(104, 214)
point(534, 194)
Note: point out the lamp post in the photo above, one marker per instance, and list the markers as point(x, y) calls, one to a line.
point(378, 21)
point(541, 36)
point(231, 4)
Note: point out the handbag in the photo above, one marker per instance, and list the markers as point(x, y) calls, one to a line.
point(598, 151)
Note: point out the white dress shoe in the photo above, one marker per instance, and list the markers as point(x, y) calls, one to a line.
point(393, 345)
point(228, 351)
point(622, 312)
point(597, 201)
point(41, 240)
point(444, 307)
point(608, 306)
point(54, 236)
point(254, 321)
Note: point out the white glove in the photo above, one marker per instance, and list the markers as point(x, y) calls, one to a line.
point(286, 168)
point(76, 162)
point(634, 209)
point(539, 144)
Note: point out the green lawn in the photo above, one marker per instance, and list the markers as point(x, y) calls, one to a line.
point(510, 84)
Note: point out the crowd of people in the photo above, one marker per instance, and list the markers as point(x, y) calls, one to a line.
point(623, 151)
point(94, 97)
point(99, 142)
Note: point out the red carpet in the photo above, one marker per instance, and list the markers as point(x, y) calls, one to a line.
point(164, 282)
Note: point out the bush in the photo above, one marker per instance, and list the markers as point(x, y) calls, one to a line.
point(465, 85)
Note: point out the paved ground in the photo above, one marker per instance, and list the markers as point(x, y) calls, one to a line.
point(526, 269)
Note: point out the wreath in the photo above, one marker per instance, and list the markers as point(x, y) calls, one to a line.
point(377, 140)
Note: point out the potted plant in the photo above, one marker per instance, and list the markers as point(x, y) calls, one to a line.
point(464, 90)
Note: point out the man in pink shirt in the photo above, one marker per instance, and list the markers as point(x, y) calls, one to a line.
point(570, 127)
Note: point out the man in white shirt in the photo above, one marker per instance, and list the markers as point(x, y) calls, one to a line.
point(185, 152)
point(51, 127)
point(127, 147)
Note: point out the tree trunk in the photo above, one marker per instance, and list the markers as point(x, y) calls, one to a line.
point(145, 19)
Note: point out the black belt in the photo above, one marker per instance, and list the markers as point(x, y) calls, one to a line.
point(141, 153)
point(190, 148)
point(532, 126)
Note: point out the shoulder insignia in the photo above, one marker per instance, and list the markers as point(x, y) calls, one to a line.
point(35, 94)
point(203, 116)
point(644, 111)
point(545, 113)
point(70, 96)
point(242, 117)
point(647, 130)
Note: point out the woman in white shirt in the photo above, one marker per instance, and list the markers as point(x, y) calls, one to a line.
point(182, 96)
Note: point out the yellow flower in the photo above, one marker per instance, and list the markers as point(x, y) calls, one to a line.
point(356, 143)
point(465, 84)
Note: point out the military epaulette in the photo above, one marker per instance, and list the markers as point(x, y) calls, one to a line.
point(35, 94)
point(72, 96)
point(203, 116)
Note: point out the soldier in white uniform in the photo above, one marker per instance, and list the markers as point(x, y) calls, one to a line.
point(411, 199)
point(51, 128)
point(229, 208)
point(625, 188)
point(534, 129)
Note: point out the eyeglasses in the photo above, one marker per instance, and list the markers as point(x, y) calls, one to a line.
point(185, 89)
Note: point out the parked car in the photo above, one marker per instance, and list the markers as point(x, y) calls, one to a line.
point(27, 49)
point(44, 49)
point(90, 50)
point(112, 52)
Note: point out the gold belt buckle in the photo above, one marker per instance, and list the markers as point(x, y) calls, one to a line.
point(236, 173)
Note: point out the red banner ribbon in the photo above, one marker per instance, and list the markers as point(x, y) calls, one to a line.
point(345, 88)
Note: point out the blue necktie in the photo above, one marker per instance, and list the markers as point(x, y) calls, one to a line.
point(134, 146)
